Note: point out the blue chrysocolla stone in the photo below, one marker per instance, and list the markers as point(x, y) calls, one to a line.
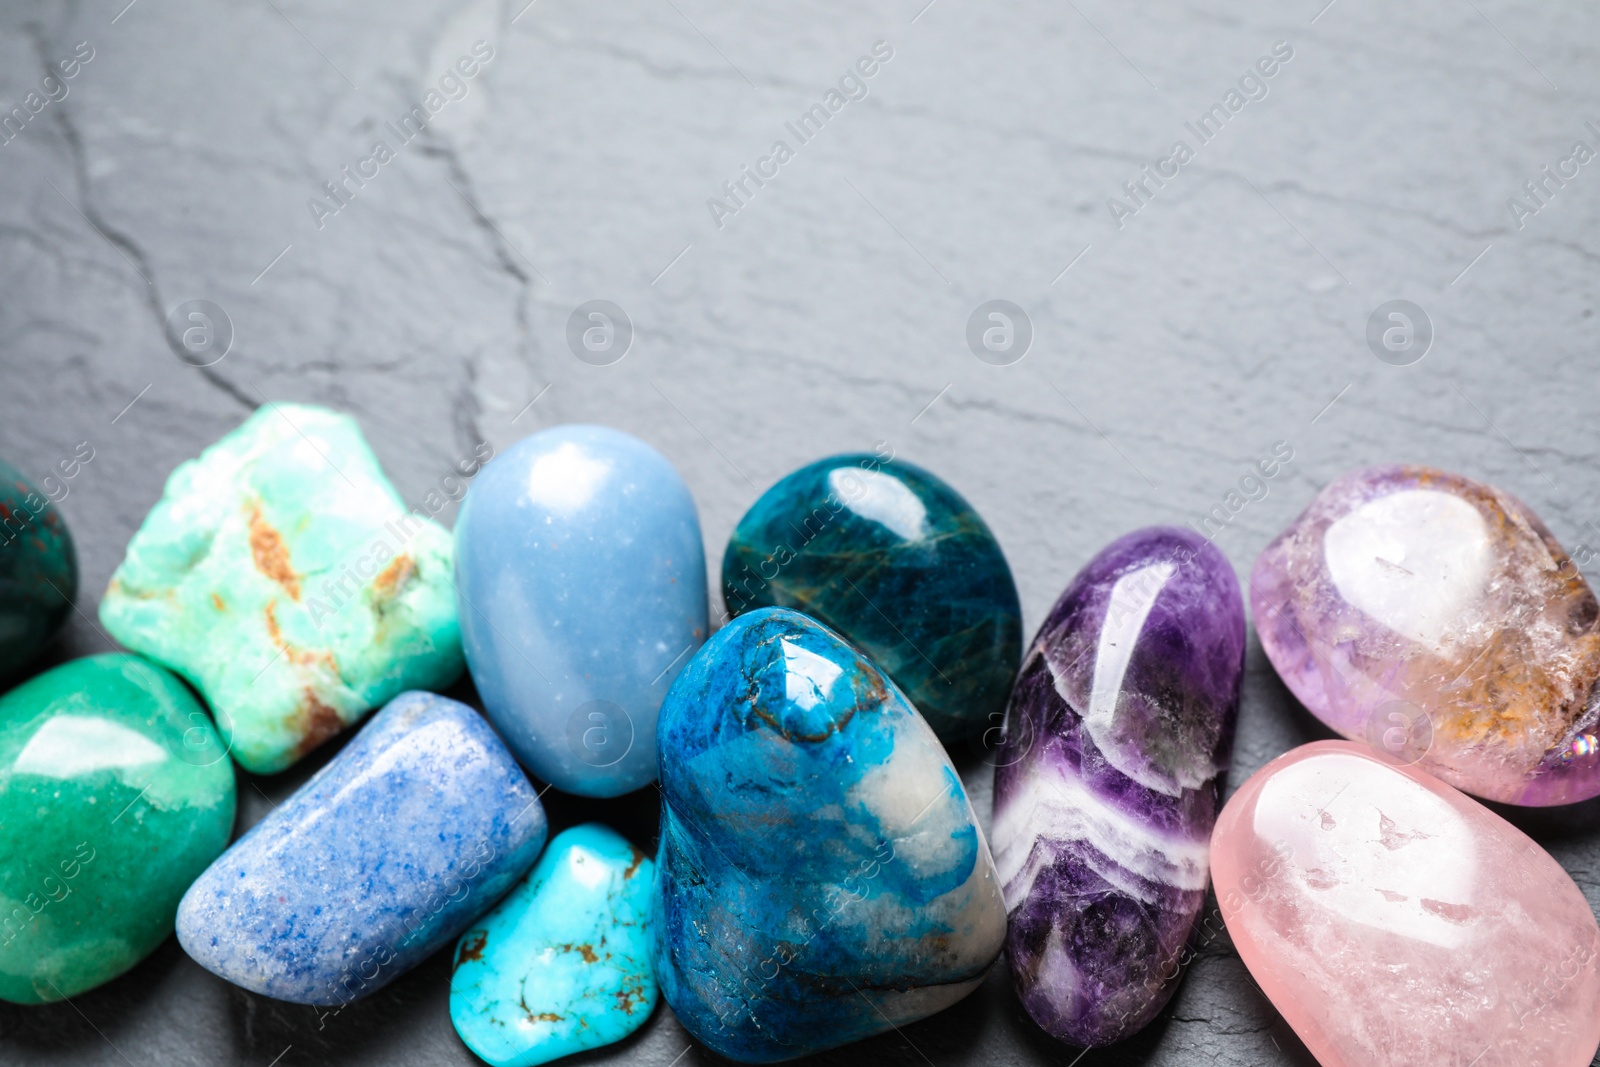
point(581, 577)
point(383, 857)
point(896, 561)
point(562, 964)
point(821, 875)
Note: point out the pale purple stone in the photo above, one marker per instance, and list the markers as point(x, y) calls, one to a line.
point(1436, 618)
point(1107, 787)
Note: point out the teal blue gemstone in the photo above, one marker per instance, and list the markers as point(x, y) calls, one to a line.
point(562, 964)
point(38, 570)
point(899, 564)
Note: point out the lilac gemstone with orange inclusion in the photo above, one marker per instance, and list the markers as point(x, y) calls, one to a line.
point(1436, 617)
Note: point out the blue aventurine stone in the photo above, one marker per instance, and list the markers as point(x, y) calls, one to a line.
point(385, 855)
point(821, 874)
point(582, 585)
point(901, 565)
point(563, 963)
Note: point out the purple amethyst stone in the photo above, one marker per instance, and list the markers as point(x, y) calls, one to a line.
point(1107, 787)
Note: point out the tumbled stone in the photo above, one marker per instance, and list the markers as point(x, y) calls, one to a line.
point(115, 793)
point(420, 823)
point(1437, 618)
point(38, 571)
point(282, 576)
point(562, 964)
point(1106, 781)
point(1393, 920)
point(821, 875)
point(582, 579)
point(900, 565)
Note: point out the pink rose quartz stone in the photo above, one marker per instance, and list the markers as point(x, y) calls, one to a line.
point(1437, 618)
point(1396, 921)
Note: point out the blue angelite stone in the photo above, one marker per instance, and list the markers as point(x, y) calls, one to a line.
point(899, 563)
point(563, 963)
point(821, 875)
point(581, 579)
point(386, 854)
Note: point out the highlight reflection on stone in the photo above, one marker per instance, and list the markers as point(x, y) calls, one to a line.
point(1437, 617)
point(1106, 782)
point(1394, 921)
point(821, 875)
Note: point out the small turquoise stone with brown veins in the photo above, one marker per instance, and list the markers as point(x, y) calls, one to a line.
point(282, 576)
point(562, 964)
point(901, 566)
point(38, 568)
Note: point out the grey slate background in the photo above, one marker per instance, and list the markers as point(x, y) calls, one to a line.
point(828, 314)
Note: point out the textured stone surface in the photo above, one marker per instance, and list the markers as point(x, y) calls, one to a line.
point(115, 793)
point(38, 571)
point(1106, 782)
point(1437, 617)
point(1394, 920)
point(582, 593)
point(562, 964)
point(1183, 345)
point(821, 876)
point(281, 574)
point(420, 823)
point(899, 564)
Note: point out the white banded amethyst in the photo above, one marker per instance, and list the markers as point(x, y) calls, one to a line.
point(1107, 785)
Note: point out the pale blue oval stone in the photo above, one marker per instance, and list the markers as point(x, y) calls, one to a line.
point(562, 964)
point(581, 584)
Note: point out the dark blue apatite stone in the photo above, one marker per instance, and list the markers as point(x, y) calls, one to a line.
point(898, 563)
point(821, 875)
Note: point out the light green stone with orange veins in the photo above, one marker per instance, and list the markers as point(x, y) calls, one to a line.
point(281, 574)
point(562, 964)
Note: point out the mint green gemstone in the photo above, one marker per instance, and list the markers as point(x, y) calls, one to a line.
point(282, 575)
point(115, 793)
point(562, 964)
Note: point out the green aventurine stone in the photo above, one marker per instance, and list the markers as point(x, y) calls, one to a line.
point(281, 574)
point(115, 793)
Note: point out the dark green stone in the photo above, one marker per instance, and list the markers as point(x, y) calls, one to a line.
point(899, 564)
point(38, 571)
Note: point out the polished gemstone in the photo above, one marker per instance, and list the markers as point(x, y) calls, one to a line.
point(1437, 618)
point(900, 565)
point(281, 574)
point(1106, 781)
point(582, 579)
point(38, 571)
point(821, 874)
point(1393, 920)
point(417, 826)
point(562, 964)
point(115, 793)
